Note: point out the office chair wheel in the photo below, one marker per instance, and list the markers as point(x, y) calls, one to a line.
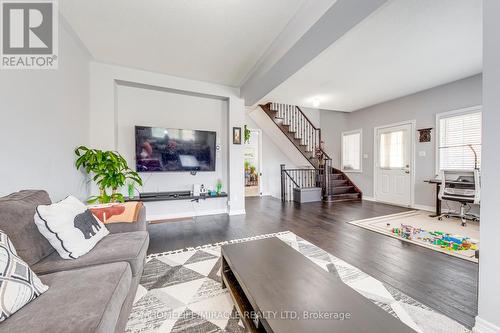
point(440, 218)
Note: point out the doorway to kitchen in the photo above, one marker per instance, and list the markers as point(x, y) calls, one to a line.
point(253, 162)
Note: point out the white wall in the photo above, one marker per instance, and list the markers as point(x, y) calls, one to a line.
point(422, 107)
point(488, 320)
point(141, 106)
point(105, 81)
point(44, 116)
point(333, 123)
point(314, 115)
point(272, 158)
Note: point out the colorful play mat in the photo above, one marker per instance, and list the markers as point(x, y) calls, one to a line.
point(447, 236)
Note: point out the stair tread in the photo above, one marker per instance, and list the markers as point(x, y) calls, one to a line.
point(343, 197)
point(346, 194)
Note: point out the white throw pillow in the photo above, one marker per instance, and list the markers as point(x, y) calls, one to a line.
point(69, 227)
point(18, 284)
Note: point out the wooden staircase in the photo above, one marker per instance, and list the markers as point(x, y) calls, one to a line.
point(306, 137)
point(342, 188)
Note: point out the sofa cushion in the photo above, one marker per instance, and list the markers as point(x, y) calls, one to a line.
point(16, 220)
point(83, 300)
point(130, 247)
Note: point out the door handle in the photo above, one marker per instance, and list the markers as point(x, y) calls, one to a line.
point(407, 171)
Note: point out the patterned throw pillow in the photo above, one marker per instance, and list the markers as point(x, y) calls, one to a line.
point(69, 227)
point(18, 284)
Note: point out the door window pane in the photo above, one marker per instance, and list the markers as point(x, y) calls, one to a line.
point(392, 150)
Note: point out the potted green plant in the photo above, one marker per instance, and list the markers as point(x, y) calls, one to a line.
point(109, 170)
point(246, 134)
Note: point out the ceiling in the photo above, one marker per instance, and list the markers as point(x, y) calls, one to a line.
point(404, 47)
point(216, 41)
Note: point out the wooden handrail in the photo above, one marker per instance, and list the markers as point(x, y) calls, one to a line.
point(307, 138)
point(309, 133)
point(291, 178)
point(298, 178)
point(310, 122)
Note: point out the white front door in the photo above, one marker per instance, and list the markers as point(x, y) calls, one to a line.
point(393, 164)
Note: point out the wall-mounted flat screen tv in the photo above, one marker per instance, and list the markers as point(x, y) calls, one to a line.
point(166, 149)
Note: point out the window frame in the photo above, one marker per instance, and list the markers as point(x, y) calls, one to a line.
point(343, 134)
point(449, 114)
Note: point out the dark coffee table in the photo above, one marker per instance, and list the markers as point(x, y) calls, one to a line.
point(277, 289)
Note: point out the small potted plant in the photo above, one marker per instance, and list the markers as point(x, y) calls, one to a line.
point(109, 170)
point(246, 134)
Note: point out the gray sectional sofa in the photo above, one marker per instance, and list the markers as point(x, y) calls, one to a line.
point(93, 293)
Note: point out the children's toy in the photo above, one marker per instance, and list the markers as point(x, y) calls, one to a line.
point(446, 241)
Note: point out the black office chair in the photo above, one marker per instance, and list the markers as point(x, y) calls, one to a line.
point(462, 187)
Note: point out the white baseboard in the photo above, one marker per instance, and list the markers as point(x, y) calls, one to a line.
point(424, 207)
point(483, 326)
point(419, 207)
point(237, 212)
point(184, 215)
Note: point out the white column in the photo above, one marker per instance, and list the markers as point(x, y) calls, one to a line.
point(236, 184)
point(488, 319)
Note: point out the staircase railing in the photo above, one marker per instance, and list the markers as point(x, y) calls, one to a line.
point(300, 178)
point(292, 115)
point(296, 178)
point(309, 137)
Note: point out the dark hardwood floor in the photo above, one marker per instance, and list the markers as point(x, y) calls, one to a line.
point(442, 282)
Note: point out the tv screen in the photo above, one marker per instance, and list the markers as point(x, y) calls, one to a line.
point(165, 149)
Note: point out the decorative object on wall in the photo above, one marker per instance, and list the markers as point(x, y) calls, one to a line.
point(108, 170)
point(246, 134)
point(237, 135)
point(425, 134)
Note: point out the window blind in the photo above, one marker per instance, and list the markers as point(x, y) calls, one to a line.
point(458, 136)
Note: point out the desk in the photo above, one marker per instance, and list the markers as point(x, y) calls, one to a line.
point(438, 187)
point(438, 202)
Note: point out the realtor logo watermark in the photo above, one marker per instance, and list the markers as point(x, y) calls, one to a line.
point(29, 34)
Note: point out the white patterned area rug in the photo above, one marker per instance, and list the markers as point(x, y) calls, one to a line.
point(180, 291)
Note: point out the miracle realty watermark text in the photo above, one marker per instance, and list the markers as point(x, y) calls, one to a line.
point(29, 34)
